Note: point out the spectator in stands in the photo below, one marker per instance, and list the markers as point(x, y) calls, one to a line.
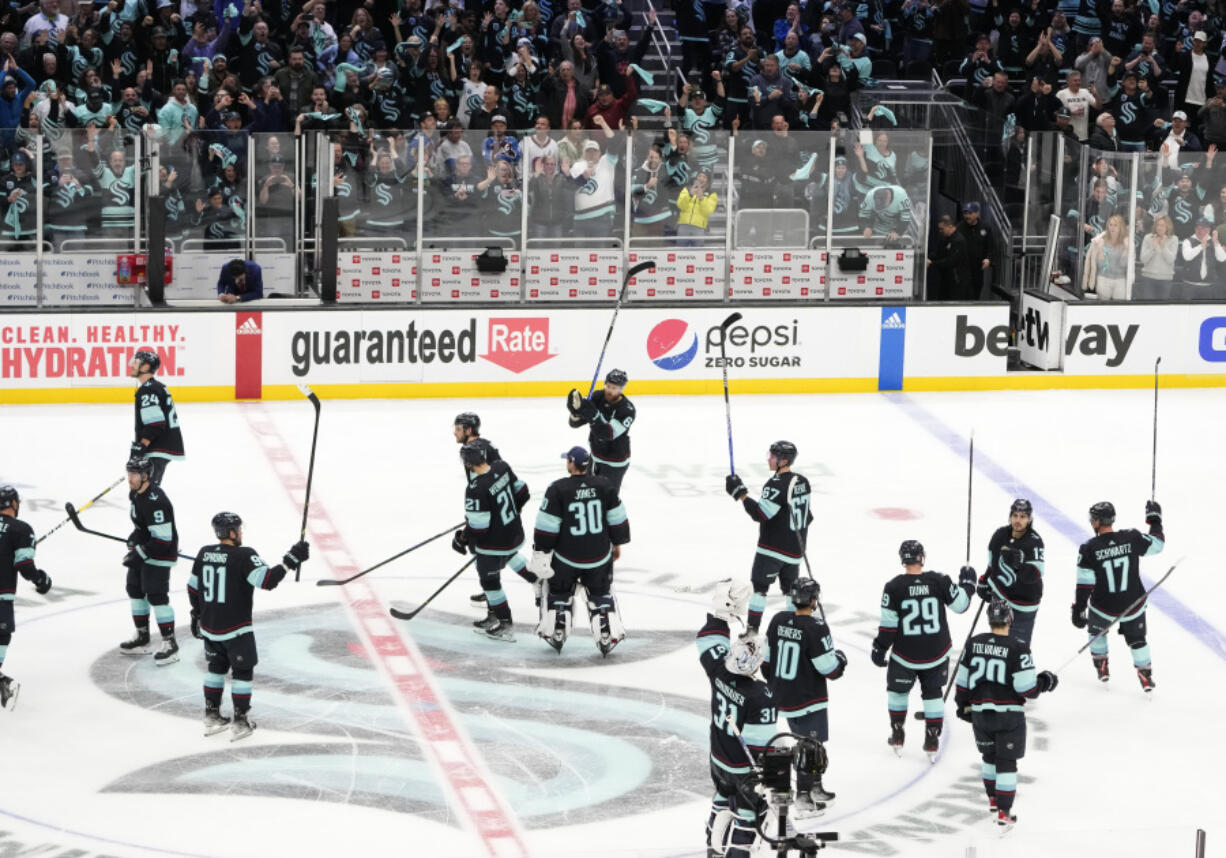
point(1174, 137)
point(1146, 62)
point(453, 145)
point(500, 146)
point(1095, 64)
point(1159, 250)
point(980, 64)
point(885, 213)
point(502, 196)
point(538, 144)
point(878, 163)
point(994, 96)
point(918, 18)
point(1014, 43)
point(1078, 101)
point(579, 52)
point(1183, 205)
point(1212, 117)
point(695, 205)
point(771, 92)
point(570, 147)
point(794, 61)
point(1192, 73)
point(295, 81)
point(614, 56)
point(1035, 110)
point(739, 67)
point(1201, 265)
point(1046, 58)
point(1121, 30)
point(1133, 105)
point(1105, 269)
point(947, 264)
point(610, 111)
point(12, 98)
point(700, 118)
point(461, 198)
point(241, 280)
point(491, 106)
point(563, 98)
point(980, 250)
point(595, 194)
point(551, 199)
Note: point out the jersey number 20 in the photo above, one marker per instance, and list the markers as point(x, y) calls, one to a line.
point(214, 581)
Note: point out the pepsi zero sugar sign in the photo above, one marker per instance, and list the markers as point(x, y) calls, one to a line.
point(672, 344)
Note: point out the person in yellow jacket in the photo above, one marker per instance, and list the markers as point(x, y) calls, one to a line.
point(695, 205)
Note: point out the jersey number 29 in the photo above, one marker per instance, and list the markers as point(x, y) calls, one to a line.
point(922, 616)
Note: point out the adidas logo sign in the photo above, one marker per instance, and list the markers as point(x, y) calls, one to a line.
point(894, 322)
point(248, 327)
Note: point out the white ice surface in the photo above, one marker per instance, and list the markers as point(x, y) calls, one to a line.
point(592, 757)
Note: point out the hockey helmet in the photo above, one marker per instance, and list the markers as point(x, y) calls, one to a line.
point(1000, 613)
point(224, 523)
point(143, 356)
point(469, 420)
point(730, 599)
point(1022, 505)
point(472, 454)
point(745, 656)
point(910, 552)
point(1103, 512)
point(140, 465)
point(782, 450)
point(617, 377)
point(8, 497)
point(805, 592)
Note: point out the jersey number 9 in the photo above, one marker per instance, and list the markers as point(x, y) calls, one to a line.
point(214, 581)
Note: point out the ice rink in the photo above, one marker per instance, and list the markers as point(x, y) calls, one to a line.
point(379, 737)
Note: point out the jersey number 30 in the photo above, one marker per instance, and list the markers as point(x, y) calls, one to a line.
point(588, 517)
point(214, 581)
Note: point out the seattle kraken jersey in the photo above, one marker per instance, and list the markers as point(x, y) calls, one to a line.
point(782, 513)
point(580, 519)
point(799, 659)
point(16, 555)
point(609, 430)
point(913, 617)
point(154, 536)
point(1109, 568)
point(491, 455)
point(491, 509)
point(1021, 588)
point(747, 702)
point(713, 640)
point(220, 587)
point(158, 422)
point(995, 673)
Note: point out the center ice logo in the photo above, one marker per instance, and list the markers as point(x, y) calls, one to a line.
point(672, 344)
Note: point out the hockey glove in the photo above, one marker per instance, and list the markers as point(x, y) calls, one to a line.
point(735, 487)
point(196, 626)
point(458, 543)
point(296, 556)
point(587, 410)
point(1047, 681)
point(984, 589)
point(42, 584)
point(540, 565)
point(1153, 513)
point(966, 576)
point(1013, 558)
point(964, 713)
point(574, 402)
point(841, 658)
point(132, 560)
point(879, 655)
point(136, 448)
point(1079, 617)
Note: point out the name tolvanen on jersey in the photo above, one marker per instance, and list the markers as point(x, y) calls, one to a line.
point(981, 648)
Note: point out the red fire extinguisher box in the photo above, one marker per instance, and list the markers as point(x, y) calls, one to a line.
point(131, 269)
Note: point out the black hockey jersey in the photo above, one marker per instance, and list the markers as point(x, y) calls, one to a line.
point(608, 429)
point(154, 535)
point(491, 509)
point(223, 579)
point(491, 455)
point(782, 513)
point(913, 617)
point(996, 673)
point(799, 659)
point(1109, 568)
point(16, 555)
point(580, 519)
point(713, 640)
point(158, 422)
point(1022, 588)
point(747, 702)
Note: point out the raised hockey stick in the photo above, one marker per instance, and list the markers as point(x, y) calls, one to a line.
point(76, 521)
point(723, 360)
point(1153, 462)
point(1126, 612)
point(330, 582)
point(306, 503)
point(92, 501)
point(408, 615)
point(645, 265)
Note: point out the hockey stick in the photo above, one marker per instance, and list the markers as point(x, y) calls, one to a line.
point(1126, 612)
point(970, 489)
point(408, 615)
point(306, 503)
point(92, 501)
point(329, 582)
point(645, 265)
point(76, 521)
point(723, 360)
point(1153, 462)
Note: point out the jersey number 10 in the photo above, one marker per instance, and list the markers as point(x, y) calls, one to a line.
point(214, 581)
point(787, 654)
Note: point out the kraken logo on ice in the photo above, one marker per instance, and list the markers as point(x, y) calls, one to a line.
point(563, 751)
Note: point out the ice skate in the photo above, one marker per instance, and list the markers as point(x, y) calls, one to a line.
point(485, 622)
point(214, 721)
point(138, 644)
point(1005, 821)
point(168, 653)
point(932, 742)
point(9, 688)
point(820, 793)
point(1100, 667)
point(1146, 676)
point(242, 727)
point(897, 736)
point(497, 630)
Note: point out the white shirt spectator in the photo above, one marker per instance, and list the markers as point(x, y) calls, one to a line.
point(531, 149)
point(40, 23)
point(1078, 104)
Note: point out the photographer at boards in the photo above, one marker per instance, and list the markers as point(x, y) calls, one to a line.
point(241, 280)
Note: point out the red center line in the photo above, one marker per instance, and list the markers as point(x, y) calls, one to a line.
point(479, 806)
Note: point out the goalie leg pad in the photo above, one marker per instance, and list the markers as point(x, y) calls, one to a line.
point(721, 828)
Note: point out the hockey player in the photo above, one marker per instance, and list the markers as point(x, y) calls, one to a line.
point(158, 438)
point(467, 429)
point(1109, 583)
point(153, 550)
point(224, 577)
point(16, 557)
point(782, 513)
point(580, 529)
point(494, 533)
point(800, 657)
point(995, 675)
point(741, 709)
point(913, 624)
point(1015, 569)
point(608, 415)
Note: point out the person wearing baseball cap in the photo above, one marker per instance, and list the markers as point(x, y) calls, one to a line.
point(1192, 70)
point(1176, 136)
point(1201, 264)
point(980, 249)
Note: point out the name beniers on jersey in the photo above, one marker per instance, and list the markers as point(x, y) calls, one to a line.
point(731, 693)
point(981, 648)
point(790, 632)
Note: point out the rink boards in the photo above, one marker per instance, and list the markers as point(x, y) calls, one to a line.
point(349, 352)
